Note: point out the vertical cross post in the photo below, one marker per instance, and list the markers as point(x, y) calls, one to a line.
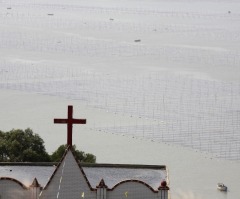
point(70, 121)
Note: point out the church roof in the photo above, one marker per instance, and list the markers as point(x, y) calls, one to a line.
point(70, 177)
point(111, 173)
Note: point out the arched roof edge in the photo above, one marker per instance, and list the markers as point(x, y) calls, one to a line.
point(14, 180)
point(137, 181)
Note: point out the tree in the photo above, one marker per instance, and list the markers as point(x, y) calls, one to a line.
point(22, 146)
point(80, 155)
point(25, 146)
point(3, 145)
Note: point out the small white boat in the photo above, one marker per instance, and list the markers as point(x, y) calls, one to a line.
point(221, 187)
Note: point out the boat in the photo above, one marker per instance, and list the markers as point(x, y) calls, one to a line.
point(221, 187)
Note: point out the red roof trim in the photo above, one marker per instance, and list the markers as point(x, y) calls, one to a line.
point(14, 180)
point(137, 181)
point(163, 188)
point(84, 175)
point(102, 184)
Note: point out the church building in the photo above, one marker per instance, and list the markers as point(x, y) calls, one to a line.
point(73, 180)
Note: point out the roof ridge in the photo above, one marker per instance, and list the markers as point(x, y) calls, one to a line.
point(140, 166)
point(84, 164)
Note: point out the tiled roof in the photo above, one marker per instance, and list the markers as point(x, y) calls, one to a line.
point(94, 174)
point(26, 173)
point(111, 173)
point(114, 175)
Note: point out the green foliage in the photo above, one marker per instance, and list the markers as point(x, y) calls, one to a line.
point(22, 146)
point(79, 155)
point(25, 146)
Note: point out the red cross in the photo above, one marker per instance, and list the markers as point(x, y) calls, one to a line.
point(70, 121)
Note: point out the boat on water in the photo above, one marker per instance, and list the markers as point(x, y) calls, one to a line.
point(221, 187)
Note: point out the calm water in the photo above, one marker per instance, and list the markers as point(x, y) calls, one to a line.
point(192, 174)
point(158, 83)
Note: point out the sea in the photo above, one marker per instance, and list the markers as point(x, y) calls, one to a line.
point(158, 82)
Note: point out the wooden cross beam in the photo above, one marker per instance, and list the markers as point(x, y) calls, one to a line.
point(70, 121)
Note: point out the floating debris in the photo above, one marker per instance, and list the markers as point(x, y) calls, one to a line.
point(221, 187)
point(137, 40)
point(50, 14)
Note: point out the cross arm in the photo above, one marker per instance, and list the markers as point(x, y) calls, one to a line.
point(61, 121)
point(79, 121)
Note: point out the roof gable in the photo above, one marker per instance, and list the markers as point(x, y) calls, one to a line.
point(68, 178)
